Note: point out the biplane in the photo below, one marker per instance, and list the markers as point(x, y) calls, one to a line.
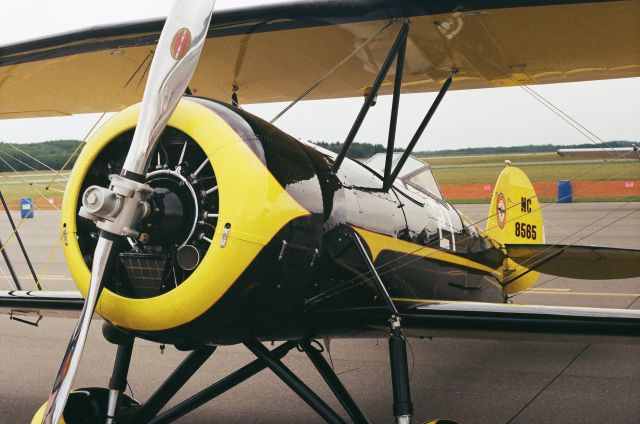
point(592, 153)
point(188, 221)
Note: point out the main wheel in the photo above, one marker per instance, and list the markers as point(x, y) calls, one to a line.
point(86, 406)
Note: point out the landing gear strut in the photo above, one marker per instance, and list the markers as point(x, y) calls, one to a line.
point(113, 406)
point(120, 409)
point(291, 380)
point(118, 381)
point(402, 406)
point(333, 382)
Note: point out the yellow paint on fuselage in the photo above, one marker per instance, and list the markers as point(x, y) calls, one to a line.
point(250, 200)
point(379, 242)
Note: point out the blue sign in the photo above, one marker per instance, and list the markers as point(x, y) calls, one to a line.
point(26, 207)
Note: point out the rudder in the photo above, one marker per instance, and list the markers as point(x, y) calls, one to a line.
point(515, 217)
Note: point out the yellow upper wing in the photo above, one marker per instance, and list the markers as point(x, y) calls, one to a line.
point(275, 52)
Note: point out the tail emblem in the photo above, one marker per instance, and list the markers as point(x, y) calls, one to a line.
point(501, 209)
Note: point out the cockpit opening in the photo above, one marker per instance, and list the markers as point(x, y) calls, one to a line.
point(415, 175)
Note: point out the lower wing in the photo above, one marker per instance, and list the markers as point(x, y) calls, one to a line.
point(522, 322)
point(429, 319)
point(21, 305)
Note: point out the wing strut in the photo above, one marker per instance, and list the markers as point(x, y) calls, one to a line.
point(14, 276)
point(398, 45)
point(389, 179)
point(397, 52)
point(24, 251)
point(402, 405)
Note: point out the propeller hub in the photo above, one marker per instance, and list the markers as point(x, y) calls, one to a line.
point(116, 209)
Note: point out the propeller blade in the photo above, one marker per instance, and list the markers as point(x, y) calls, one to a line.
point(173, 65)
point(583, 262)
point(71, 359)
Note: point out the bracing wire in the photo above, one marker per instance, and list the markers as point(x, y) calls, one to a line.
point(533, 262)
point(12, 234)
point(564, 116)
point(382, 268)
point(58, 173)
point(549, 383)
point(100, 118)
point(3, 160)
point(22, 163)
point(31, 157)
point(47, 263)
point(31, 183)
point(591, 136)
point(573, 177)
point(6, 277)
point(332, 71)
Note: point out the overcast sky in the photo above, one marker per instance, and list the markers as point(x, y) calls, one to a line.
point(491, 117)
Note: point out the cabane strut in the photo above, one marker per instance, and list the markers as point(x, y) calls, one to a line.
point(397, 52)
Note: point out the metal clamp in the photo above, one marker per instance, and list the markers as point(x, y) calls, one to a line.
point(285, 244)
point(35, 323)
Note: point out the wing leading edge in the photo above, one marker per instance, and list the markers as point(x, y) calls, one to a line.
point(466, 320)
point(522, 322)
point(18, 303)
point(274, 52)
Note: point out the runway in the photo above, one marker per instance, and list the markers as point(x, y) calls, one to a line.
point(470, 381)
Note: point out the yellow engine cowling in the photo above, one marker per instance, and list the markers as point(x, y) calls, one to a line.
point(253, 207)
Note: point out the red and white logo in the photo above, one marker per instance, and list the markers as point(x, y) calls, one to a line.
point(501, 210)
point(181, 43)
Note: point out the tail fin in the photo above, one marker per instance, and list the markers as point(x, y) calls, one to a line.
point(515, 217)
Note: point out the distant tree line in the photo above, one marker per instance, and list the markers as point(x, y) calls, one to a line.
point(40, 156)
point(53, 154)
point(365, 150)
point(531, 148)
point(356, 151)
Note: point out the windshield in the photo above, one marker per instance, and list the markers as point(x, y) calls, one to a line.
point(424, 181)
point(415, 174)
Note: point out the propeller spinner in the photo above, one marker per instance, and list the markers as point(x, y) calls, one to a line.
point(119, 208)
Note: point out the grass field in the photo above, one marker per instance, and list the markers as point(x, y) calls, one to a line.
point(449, 170)
point(36, 185)
point(491, 159)
point(515, 158)
point(479, 173)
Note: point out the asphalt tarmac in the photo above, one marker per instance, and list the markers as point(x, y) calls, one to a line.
point(470, 381)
